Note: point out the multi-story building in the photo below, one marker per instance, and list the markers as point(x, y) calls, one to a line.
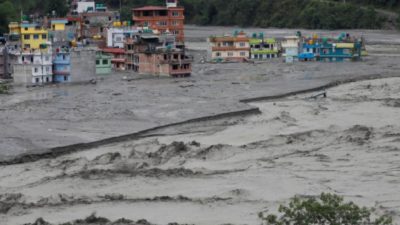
point(168, 19)
point(81, 6)
point(262, 48)
point(116, 36)
point(230, 48)
point(342, 48)
point(62, 65)
point(118, 57)
point(33, 36)
point(33, 67)
point(103, 63)
point(158, 55)
point(290, 46)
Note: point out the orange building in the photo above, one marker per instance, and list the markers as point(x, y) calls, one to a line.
point(169, 18)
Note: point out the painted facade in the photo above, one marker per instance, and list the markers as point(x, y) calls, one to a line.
point(157, 55)
point(34, 36)
point(116, 36)
point(290, 47)
point(230, 48)
point(62, 66)
point(263, 48)
point(118, 57)
point(324, 49)
point(103, 63)
point(167, 19)
point(33, 67)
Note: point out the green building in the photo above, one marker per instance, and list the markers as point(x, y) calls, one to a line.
point(263, 48)
point(103, 64)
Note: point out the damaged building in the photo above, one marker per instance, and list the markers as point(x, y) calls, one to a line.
point(156, 54)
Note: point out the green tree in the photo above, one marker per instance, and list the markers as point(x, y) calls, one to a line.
point(328, 209)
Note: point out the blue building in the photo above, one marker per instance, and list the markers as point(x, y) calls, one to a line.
point(62, 66)
point(343, 48)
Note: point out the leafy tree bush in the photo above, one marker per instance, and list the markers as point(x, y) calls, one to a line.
point(328, 209)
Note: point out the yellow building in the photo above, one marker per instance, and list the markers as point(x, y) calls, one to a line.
point(15, 28)
point(58, 24)
point(34, 36)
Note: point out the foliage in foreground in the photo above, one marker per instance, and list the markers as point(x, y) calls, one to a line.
point(327, 209)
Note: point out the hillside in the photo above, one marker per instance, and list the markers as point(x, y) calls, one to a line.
point(311, 14)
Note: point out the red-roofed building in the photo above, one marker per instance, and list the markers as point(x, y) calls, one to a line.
point(164, 19)
point(118, 57)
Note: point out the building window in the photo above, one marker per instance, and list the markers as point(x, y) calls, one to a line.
point(46, 58)
point(175, 13)
point(97, 62)
point(175, 67)
point(54, 27)
point(36, 70)
point(242, 53)
point(65, 78)
point(63, 57)
point(36, 80)
point(26, 28)
point(175, 23)
point(47, 79)
point(162, 23)
point(48, 69)
point(27, 37)
point(218, 54)
point(36, 36)
point(105, 61)
point(242, 44)
point(44, 36)
point(230, 54)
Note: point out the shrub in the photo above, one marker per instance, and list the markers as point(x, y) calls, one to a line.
point(328, 209)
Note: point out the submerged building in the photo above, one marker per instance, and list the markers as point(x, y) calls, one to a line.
point(33, 67)
point(290, 48)
point(118, 57)
point(158, 55)
point(230, 48)
point(325, 49)
point(62, 65)
point(263, 48)
point(5, 68)
point(165, 19)
point(103, 63)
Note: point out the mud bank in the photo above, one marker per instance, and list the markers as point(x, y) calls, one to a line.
point(225, 171)
point(43, 118)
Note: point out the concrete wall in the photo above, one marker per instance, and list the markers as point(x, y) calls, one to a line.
point(83, 65)
point(22, 74)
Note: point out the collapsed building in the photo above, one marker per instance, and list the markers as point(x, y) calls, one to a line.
point(157, 54)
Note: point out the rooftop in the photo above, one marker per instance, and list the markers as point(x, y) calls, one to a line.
point(151, 8)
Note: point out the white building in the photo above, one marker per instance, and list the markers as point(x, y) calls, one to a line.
point(116, 36)
point(290, 46)
point(33, 67)
point(85, 6)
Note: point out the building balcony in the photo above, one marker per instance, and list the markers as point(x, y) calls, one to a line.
point(180, 72)
point(157, 18)
point(230, 48)
point(186, 60)
point(62, 61)
point(61, 72)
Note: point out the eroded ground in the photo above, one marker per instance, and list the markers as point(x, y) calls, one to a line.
point(226, 171)
point(40, 118)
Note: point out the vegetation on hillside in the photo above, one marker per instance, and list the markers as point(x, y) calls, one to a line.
point(312, 14)
point(329, 209)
